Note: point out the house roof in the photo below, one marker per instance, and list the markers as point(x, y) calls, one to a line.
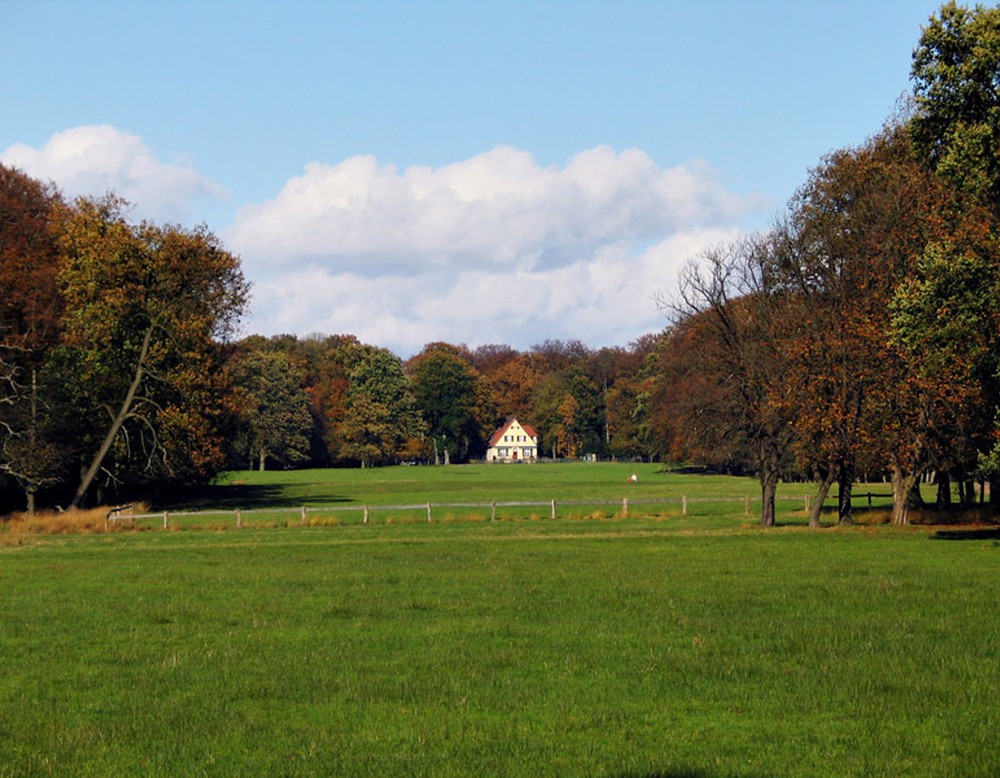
point(500, 432)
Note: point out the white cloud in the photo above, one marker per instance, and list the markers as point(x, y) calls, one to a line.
point(498, 209)
point(603, 299)
point(491, 249)
point(97, 159)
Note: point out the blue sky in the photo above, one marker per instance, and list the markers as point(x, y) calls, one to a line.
point(476, 172)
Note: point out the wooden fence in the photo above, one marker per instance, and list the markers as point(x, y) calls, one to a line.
point(428, 510)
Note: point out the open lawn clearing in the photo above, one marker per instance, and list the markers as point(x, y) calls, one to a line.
point(340, 495)
point(468, 483)
point(627, 647)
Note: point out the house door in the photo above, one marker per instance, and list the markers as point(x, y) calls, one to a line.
point(514, 456)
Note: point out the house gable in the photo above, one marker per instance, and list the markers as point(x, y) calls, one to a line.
point(513, 442)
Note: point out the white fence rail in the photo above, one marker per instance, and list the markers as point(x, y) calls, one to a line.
point(236, 516)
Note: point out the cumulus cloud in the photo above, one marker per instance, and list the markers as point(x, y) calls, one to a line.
point(495, 248)
point(492, 249)
point(604, 299)
point(497, 209)
point(97, 159)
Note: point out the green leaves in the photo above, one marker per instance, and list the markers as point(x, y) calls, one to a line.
point(274, 408)
point(956, 75)
point(382, 420)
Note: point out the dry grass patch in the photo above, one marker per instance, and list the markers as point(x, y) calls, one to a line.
point(72, 522)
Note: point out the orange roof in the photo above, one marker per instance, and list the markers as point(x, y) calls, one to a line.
point(500, 432)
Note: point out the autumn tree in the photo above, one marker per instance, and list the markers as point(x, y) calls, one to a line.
point(323, 364)
point(849, 240)
point(629, 400)
point(30, 316)
point(727, 303)
point(511, 378)
point(147, 307)
point(328, 362)
point(558, 415)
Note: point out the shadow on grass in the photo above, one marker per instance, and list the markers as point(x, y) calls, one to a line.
point(684, 773)
point(244, 496)
point(978, 533)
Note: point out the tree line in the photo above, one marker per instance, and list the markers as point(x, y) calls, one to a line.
point(121, 372)
point(861, 334)
point(857, 337)
point(332, 400)
point(112, 355)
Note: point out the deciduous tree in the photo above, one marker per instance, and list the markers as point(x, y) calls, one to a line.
point(30, 317)
point(274, 409)
point(728, 302)
point(956, 129)
point(382, 420)
point(450, 394)
point(147, 307)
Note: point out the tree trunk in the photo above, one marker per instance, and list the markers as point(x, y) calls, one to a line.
point(966, 486)
point(262, 460)
point(447, 456)
point(769, 472)
point(116, 423)
point(768, 461)
point(902, 488)
point(30, 489)
point(845, 488)
point(768, 490)
point(944, 490)
point(822, 490)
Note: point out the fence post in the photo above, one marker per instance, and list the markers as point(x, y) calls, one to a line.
point(365, 519)
point(239, 518)
point(746, 505)
point(553, 509)
point(428, 513)
point(624, 507)
point(807, 503)
point(684, 505)
point(164, 520)
point(302, 520)
point(493, 511)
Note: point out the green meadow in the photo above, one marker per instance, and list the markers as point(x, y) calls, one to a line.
point(466, 492)
point(594, 645)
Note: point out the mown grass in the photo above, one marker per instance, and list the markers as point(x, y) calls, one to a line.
point(273, 498)
point(693, 646)
point(465, 483)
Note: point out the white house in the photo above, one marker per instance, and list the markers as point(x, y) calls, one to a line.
point(513, 442)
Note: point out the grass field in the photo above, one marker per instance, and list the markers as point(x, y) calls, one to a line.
point(663, 646)
point(326, 494)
